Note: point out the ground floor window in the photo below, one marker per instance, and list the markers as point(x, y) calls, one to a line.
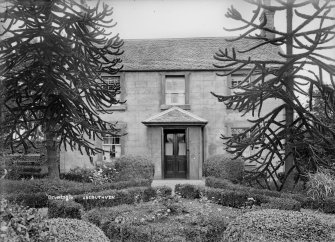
point(111, 146)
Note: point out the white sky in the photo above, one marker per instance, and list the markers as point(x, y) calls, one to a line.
point(174, 18)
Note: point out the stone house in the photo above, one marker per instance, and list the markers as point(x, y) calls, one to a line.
point(169, 113)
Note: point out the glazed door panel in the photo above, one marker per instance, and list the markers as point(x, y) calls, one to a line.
point(175, 155)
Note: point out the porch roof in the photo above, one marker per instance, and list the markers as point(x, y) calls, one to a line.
point(175, 116)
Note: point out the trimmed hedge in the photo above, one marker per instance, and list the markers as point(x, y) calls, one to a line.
point(64, 209)
point(111, 198)
point(134, 167)
point(223, 197)
point(34, 193)
point(75, 230)
point(235, 198)
point(228, 198)
point(33, 200)
point(78, 175)
point(61, 187)
point(223, 166)
point(282, 204)
point(225, 184)
point(329, 205)
point(187, 191)
point(277, 225)
point(163, 191)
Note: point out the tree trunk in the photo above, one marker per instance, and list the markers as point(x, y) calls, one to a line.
point(52, 154)
point(289, 112)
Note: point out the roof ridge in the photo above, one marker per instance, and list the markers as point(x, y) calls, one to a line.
point(214, 37)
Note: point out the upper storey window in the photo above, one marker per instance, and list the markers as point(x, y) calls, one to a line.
point(113, 83)
point(175, 90)
point(116, 83)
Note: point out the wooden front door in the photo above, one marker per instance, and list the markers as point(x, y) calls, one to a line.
point(175, 155)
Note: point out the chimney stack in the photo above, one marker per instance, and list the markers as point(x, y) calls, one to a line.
point(270, 21)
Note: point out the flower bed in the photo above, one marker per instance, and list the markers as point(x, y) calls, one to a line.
point(175, 220)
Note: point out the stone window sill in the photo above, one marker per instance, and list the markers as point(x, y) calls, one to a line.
point(185, 106)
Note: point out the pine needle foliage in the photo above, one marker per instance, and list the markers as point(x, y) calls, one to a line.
point(289, 78)
point(53, 55)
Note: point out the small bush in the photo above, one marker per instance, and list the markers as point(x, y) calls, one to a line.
point(20, 223)
point(187, 191)
point(223, 166)
point(76, 230)
point(260, 195)
point(155, 222)
point(276, 225)
point(78, 175)
point(62, 187)
point(228, 198)
point(163, 191)
point(33, 200)
point(111, 198)
point(34, 193)
point(220, 183)
point(329, 205)
point(64, 209)
point(282, 204)
point(134, 167)
point(321, 185)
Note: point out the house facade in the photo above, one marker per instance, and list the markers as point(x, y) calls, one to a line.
point(170, 114)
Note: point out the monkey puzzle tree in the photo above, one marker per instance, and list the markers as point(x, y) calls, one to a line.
point(53, 54)
point(288, 78)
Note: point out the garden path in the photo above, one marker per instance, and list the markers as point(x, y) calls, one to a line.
point(172, 182)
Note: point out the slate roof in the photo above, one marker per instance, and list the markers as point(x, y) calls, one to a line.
point(175, 115)
point(187, 53)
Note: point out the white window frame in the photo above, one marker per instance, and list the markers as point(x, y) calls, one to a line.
point(111, 147)
point(175, 92)
point(110, 83)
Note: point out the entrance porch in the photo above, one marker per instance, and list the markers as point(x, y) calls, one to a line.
point(176, 143)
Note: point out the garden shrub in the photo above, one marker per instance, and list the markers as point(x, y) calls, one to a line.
point(223, 166)
point(228, 198)
point(78, 174)
point(111, 198)
point(134, 167)
point(20, 223)
point(305, 201)
point(163, 191)
point(76, 230)
point(154, 222)
point(260, 195)
point(329, 205)
point(34, 193)
point(187, 191)
point(64, 209)
point(220, 183)
point(321, 185)
point(282, 204)
point(277, 225)
point(62, 187)
point(33, 200)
